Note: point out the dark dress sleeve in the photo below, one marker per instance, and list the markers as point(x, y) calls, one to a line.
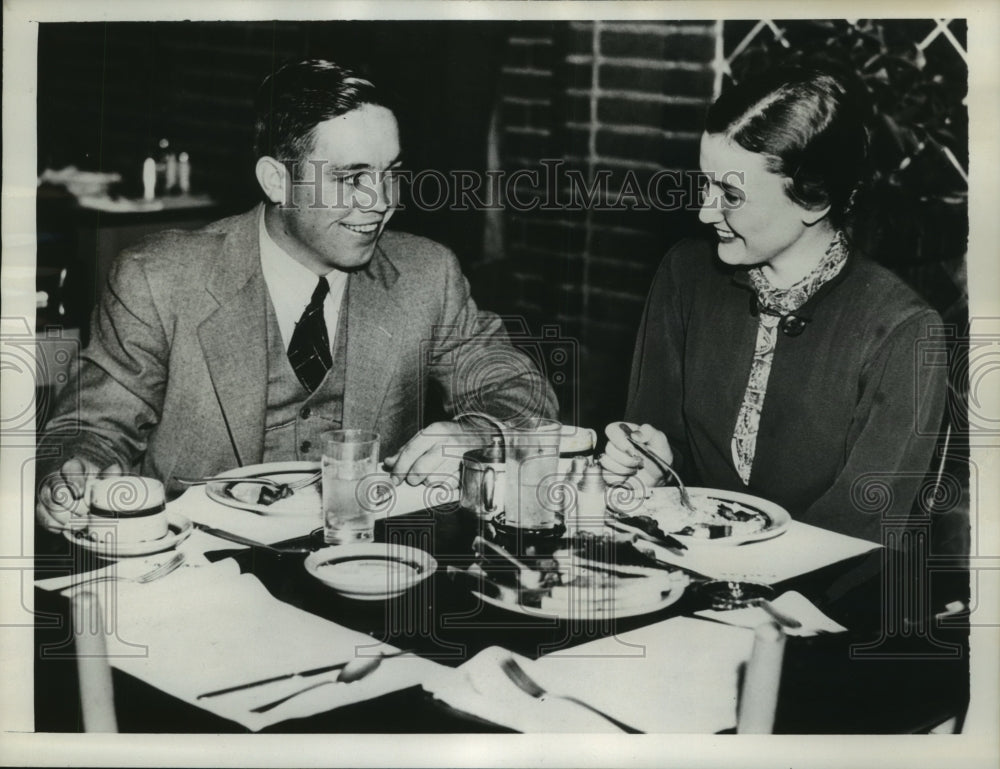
point(893, 436)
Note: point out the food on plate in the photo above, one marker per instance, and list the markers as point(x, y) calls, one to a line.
point(278, 500)
point(712, 517)
point(597, 576)
point(269, 496)
point(256, 493)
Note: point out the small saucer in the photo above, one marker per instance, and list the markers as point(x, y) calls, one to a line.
point(179, 528)
point(370, 571)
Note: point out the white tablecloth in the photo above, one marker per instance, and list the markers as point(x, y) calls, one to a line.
point(209, 627)
point(205, 627)
point(802, 548)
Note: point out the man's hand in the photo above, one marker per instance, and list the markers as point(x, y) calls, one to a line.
point(63, 494)
point(435, 452)
point(624, 463)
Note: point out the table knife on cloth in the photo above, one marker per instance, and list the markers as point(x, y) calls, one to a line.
point(241, 540)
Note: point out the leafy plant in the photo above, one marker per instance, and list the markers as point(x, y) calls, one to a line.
point(920, 122)
point(917, 203)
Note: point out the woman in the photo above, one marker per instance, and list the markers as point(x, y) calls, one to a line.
point(777, 361)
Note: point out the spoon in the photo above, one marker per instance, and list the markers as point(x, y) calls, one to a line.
point(353, 671)
point(665, 468)
point(363, 667)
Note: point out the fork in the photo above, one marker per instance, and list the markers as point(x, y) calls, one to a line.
point(301, 483)
point(530, 686)
point(665, 468)
point(150, 576)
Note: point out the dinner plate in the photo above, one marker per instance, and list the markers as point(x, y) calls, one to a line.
point(664, 506)
point(370, 571)
point(231, 493)
point(573, 609)
point(178, 529)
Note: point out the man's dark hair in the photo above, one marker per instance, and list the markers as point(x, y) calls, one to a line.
point(298, 96)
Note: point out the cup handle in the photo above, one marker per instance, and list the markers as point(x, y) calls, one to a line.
point(593, 438)
point(489, 489)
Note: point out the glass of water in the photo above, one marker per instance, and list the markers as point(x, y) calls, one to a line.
point(531, 470)
point(349, 457)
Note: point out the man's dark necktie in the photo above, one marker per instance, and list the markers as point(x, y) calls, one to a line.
point(309, 351)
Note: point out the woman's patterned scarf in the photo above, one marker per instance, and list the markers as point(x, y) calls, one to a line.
point(775, 303)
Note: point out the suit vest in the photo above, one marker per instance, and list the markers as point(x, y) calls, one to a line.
point(297, 422)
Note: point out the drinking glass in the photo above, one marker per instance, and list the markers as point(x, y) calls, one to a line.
point(349, 457)
point(532, 468)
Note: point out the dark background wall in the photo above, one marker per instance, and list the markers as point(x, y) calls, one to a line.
point(109, 92)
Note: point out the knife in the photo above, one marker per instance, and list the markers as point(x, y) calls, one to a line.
point(668, 541)
point(241, 540)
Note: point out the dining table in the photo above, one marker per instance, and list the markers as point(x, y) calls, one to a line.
point(883, 646)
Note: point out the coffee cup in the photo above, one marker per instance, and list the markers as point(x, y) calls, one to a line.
point(134, 507)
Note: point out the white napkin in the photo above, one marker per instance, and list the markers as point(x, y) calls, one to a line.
point(480, 687)
point(802, 548)
point(208, 628)
point(676, 676)
point(792, 603)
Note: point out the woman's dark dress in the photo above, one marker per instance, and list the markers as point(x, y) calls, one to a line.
point(853, 406)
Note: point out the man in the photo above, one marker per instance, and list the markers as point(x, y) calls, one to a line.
point(250, 340)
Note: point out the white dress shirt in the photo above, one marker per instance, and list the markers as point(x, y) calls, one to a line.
point(291, 286)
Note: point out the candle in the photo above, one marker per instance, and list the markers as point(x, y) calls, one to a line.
point(149, 179)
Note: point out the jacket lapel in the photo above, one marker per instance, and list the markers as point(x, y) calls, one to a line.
point(234, 338)
point(374, 319)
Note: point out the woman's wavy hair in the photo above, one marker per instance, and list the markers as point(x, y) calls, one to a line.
point(298, 96)
point(810, 125)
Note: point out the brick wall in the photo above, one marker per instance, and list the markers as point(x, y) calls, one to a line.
point(625, 100)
